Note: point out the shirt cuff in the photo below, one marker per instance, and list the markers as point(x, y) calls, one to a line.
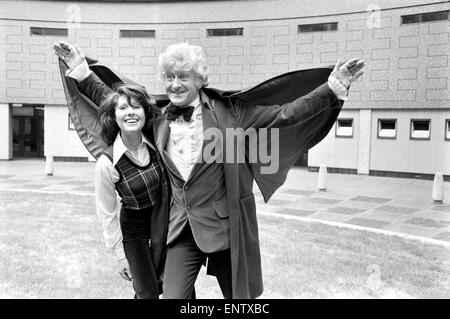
point(337, 87)
point(80, 72)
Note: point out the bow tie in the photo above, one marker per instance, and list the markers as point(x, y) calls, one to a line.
point(175, 111)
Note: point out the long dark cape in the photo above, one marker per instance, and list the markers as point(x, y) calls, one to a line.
point(278, 90)
point(275, 91)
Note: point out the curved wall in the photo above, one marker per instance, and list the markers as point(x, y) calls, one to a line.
point(195, 11)
point(407, 65)
point(406, 76)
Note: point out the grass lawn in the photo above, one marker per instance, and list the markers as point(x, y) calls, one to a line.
point(51, 246)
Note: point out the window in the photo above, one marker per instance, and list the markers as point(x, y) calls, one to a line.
point(48, 31)
point(344, 128)
point(447, 129)
point(137, 33)
point(225, 32)
point(425, 17)
point(420, 129)
point(330, 26)
point(387, 128)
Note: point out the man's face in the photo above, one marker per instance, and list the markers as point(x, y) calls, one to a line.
point(182, 87)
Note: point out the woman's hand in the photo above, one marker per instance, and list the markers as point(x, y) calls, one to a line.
point(71, 55)
point(124, 269)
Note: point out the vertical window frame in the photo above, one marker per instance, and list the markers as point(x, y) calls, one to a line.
point(70, 125)
point(447, 130)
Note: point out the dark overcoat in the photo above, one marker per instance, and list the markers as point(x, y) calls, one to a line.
point(300, 104)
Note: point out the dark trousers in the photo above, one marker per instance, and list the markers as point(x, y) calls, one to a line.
point(135, 227)
point(183, 263)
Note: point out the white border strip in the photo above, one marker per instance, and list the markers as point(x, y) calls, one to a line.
point(362, 228)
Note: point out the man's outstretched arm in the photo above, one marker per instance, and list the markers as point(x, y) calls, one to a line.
point(306, 107)
point(88, 82)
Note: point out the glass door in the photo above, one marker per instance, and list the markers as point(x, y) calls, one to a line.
point(28, 136)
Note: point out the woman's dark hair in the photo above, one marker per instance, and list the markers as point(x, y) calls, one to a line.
point(106, 114)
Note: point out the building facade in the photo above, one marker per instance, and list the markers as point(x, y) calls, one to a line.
point(397, 118)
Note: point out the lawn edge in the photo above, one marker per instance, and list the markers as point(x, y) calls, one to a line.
point(361, 228)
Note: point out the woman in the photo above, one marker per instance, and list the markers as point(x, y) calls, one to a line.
point(131, 167)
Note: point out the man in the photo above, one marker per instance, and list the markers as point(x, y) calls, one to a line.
point(213, 215)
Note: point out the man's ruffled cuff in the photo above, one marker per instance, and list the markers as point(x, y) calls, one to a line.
point(80, 72)
point(337, 87)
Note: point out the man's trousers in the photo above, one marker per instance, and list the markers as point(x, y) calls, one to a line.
point(183, 263)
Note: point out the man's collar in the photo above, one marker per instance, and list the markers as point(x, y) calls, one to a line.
point(204, 99)
point(119, 147)
point(196, 102)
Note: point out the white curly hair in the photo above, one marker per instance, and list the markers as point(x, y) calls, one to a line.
point(183, 57)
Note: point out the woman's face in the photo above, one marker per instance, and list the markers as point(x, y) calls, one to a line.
point(129, 118)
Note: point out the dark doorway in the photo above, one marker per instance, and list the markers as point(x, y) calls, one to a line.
point(28, 131)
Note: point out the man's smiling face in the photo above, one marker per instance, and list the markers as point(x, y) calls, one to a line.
point(182, 87)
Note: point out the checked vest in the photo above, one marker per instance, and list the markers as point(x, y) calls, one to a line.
point(138, 186)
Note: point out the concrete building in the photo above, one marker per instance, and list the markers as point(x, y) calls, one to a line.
point(397, 119)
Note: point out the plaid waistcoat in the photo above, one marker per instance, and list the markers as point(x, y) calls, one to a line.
point(138, 186)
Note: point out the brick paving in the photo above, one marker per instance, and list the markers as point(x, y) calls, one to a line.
point(392, 204)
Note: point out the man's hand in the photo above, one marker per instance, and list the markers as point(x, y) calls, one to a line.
point(124, 269)
point(71, 55)
point(348, 72)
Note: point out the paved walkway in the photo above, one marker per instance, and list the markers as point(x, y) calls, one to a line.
point(381, 204)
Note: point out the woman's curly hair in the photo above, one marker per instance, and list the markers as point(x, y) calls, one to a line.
point(107, 110)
